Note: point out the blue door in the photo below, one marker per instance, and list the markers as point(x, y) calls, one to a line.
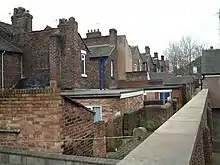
point(164, 95)
point(167, 94)
point(101, 72)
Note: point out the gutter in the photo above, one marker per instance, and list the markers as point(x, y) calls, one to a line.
point(3, 69)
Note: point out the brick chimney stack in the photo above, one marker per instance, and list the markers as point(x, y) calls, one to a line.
point(147, 50)
point(55, 58)
point(93, 34)
point(155, 55)
point(22, 19)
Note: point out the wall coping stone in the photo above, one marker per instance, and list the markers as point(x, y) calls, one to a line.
point(72, 158)
point(174, 141)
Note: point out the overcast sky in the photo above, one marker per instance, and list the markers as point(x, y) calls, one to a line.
point(144, 22)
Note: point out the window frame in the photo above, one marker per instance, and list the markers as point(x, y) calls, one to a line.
point(83, 58)
point(112, 69)
point(96, 106)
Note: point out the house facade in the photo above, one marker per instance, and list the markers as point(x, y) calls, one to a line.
point(50, 54)
point(136, 59)
point(110, 58)
point(210, 72)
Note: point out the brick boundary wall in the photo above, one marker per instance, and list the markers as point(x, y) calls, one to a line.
point(34, 112)
point(99, 143)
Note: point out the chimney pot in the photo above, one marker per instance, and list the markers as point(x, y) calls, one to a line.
point(162, 57)
point(155, 55)
point(94, 30)
point(211, 47)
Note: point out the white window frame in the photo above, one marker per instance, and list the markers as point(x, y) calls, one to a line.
point(135, 67)
point(111, 69)
point(140, 64)
point(95, 106)
point(83, 58)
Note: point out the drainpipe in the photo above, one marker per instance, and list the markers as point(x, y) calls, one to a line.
point(3, 69)
point(203, 77)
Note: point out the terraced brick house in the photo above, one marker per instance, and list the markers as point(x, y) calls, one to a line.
point(136, 59)
point(36, 57)
point(110, 58)
point(210, 71)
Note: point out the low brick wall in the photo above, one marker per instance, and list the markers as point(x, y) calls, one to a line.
point(19, 157)
point(186, 138)
point(135, 84)
point(99, 143)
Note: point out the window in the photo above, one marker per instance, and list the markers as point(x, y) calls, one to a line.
point(112, 69)
point(83, 63)
point(98, 112)
point(140, 64)
point(135, 67)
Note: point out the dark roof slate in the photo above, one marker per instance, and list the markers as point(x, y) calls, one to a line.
point(8, 47)
point(101, 50)
point(211, 61)
point(133, 49)
point(9, 29)
point(170, 79)
point(144, 57)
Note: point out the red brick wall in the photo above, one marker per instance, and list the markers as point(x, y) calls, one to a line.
point(12, 69)
point(138, 83)
point(112, 105)
point(99, 143)
point(46, 122)
point(212, 83)
point(131, 103)
point(36, 114)
point(109, 105)
point(77, 124)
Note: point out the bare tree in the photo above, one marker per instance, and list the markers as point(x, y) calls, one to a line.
point(182, 53)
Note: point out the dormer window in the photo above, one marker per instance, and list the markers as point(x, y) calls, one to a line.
point(83, 63)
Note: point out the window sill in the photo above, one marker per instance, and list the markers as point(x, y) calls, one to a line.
point(84, 75)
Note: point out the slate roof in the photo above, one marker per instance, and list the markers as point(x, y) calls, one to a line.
point(31, 83)
point(9, 29)
point(170, 79)
point(100, 50)
point(160, 75)
point(211, 61)
point(144, 57)
point(179, 80)
point(133, 49)
point(9, 47)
